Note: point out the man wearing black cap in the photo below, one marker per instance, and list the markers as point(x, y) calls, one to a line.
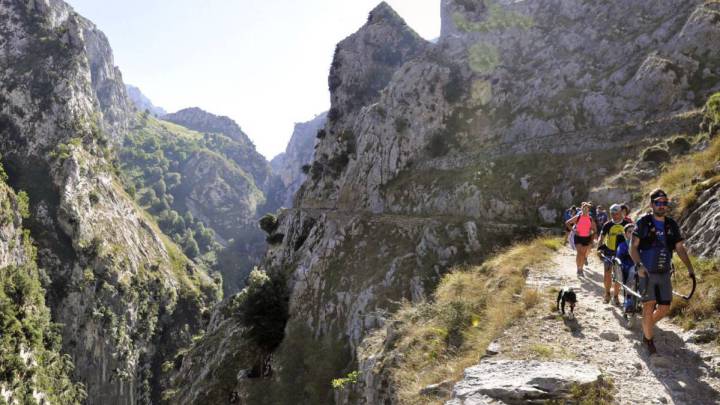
point(654, 240)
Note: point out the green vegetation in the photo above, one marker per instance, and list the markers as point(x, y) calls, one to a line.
point(498, 18)
point(440, 338)
point(350, 379)
point(601, 392)
point(483, 58)
point(269, 223)
point(704, 308)
point(263, 308)
point(30, 359)
point(153, 158)
point(712, 109)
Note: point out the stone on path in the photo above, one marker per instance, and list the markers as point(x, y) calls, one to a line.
point(521, 381)
point(611, 336)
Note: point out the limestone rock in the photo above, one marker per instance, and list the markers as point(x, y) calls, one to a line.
point(298, 153)
point(518, 381)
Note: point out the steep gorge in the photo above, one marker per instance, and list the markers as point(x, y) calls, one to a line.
point(435, 154)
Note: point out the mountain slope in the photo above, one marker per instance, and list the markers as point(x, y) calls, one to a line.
point(126, 297)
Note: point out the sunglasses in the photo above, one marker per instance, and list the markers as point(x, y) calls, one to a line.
point(661, 203)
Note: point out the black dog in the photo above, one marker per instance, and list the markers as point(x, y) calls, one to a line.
point(566, 295)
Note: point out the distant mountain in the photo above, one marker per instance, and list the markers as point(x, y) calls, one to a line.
point(299, 152)
point(143, 103)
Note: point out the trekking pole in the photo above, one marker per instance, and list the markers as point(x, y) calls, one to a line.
point(687, 297)
point(617, 263)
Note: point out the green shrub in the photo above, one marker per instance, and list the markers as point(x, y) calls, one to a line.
point(274, 239)
point(263, 308)
point(94, 197)
point(269, 223)
point(23, 201)
point(712, 108)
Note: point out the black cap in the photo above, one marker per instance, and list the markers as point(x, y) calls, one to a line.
point(657, 194)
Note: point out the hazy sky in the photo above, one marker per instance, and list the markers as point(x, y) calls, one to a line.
point(263, 63)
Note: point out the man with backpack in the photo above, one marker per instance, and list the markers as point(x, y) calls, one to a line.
point(655, 238)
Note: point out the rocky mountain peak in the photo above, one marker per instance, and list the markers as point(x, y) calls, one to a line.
point(365, 61)
point(200, 120)
point(384, 13)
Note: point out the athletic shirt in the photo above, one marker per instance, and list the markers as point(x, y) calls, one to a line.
point(657, 258)
point(584, 226)
point(615, 233)
point(623, 253)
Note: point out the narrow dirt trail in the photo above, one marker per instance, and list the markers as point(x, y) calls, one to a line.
point(682, 373)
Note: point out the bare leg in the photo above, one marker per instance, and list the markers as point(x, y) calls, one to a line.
point(608, 279)
point(660, 313)
point(648, 321)
point(580, 256)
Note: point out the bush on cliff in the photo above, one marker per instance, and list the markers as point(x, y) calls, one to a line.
point(263, 308)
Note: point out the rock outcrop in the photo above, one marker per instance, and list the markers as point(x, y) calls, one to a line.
point(298, 155)
point(142, 102)
point(126, 297)
point(521, 382)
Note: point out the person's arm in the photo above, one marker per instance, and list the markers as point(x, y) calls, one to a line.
point(635, 255)
point(682, 253)
point(570, 222)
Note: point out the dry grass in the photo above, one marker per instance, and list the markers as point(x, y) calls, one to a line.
point(704, 307)
point(437, 340)
point(688, 176)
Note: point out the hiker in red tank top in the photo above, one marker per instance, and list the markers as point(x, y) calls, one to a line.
point(585, 228)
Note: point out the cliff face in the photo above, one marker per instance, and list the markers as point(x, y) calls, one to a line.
point(436, 154)
point(126, 297)
point(291, 164)
point(31, 365)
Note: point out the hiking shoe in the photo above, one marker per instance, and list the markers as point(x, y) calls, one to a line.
point(580, 272)
point(615, 301)
point(607, 298)
point(650, 345)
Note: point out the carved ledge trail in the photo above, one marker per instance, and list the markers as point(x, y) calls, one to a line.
point(683, 373)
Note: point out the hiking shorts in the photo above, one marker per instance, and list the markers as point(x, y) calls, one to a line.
point(582, 240)
point(656, 287)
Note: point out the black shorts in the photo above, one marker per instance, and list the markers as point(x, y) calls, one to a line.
point(582, 240)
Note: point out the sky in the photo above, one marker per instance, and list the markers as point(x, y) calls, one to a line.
point(263, 63)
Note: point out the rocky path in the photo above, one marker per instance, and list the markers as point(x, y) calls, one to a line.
point(598, 336)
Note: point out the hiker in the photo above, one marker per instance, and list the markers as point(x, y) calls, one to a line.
point(601, 217)
point(628, 267)
point(611, 234)
point(626, 212)
point(656, 236)
point(584, 230)
point(569, 213)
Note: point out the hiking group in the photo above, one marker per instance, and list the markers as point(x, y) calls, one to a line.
point(642, 249)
